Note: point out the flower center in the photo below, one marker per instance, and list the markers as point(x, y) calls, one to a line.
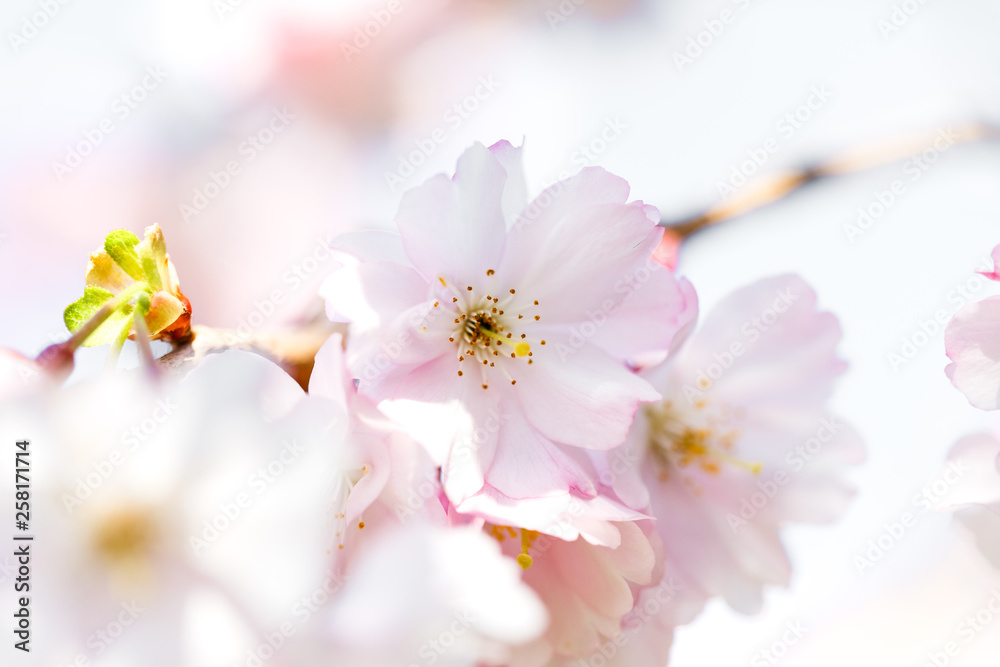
point(703, 437)
point(485, 332)
point(528, 537)
point(124, 539)
point(343, 485)
point(125, 536)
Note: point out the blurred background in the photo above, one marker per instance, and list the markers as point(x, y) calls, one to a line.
point(255, 131)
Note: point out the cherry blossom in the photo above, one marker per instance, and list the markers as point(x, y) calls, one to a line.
point(496, 332)
point(378, 468)
point(972, 342)
point(739, 445)
point(168, 506)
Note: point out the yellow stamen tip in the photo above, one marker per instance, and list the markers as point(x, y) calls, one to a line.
point(522, 349)
point(524, 560)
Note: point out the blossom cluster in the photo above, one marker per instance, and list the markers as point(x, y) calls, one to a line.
point(519, 449)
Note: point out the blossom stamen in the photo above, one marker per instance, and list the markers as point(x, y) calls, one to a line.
point(528, 537)
point(677, 444)
point(482, 330)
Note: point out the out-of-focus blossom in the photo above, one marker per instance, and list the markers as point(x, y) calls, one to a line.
point(383, 478)
point(975, 494)
point(433, 595)
point(739, 445)
point(495, 332)
point(588, 589)
point(348, 70)
point(20, 376)
point(972, 342)
point(164, 510)
point(979, 458)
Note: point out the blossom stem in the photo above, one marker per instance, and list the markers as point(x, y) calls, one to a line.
point(772, 188)
point(142, 342)
point(115, 351)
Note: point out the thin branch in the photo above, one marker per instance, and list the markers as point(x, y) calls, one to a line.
point(772, 188)
point(292, 349)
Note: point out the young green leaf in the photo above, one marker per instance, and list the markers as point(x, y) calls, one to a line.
point(120, 245)
point(81, 310)
point(92, 300)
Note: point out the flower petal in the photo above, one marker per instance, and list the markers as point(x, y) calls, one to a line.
point(454, 227)
point(972, 342)
point(588, 401)
point(993, 275)
point(527, 465)
point(975, 462)
point(602, 246)
point(103, 272)
point(370, 296)
point(515, 193)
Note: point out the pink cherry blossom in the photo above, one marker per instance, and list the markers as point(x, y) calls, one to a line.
point(972, 342)
point(739, 445)
point(588, 589)
point(975, 494)
point(978, 459)
point(496, 332)
point(383, 478)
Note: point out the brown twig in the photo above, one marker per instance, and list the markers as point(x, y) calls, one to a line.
point(772, 188)
point(292, 349)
